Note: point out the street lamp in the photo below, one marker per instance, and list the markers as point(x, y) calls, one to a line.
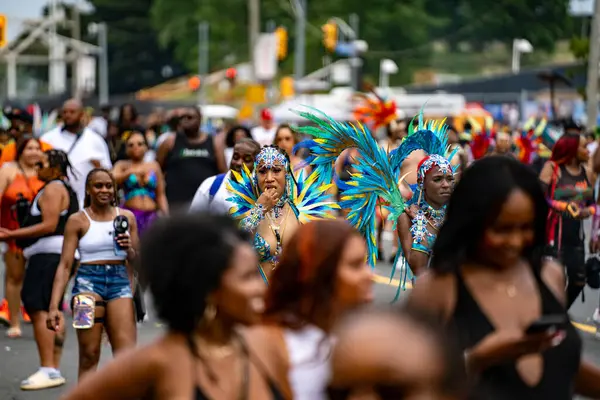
point(387, 67)
point(519, 46)
point(100, 31)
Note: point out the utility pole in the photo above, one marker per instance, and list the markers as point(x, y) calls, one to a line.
point(356, 62)
point(300, 56)
point(75, 34)
point(203, 54)
point(592, 72)
point(103, 92)
point(253, 29)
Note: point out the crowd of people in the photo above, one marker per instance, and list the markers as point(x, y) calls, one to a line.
point(258, 247)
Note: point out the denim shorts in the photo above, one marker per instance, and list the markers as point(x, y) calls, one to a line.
point(107, 281)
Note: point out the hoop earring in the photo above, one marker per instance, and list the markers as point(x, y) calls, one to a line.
point(210, 312)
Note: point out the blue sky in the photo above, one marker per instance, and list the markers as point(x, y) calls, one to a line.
point(15, 10)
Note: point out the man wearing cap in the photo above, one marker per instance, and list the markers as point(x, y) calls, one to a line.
point(264, 134)
point(21, 125)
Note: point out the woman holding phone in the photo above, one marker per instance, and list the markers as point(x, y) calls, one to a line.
point(491, 285)
point(102, 295)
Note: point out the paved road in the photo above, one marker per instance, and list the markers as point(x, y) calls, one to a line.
point(18, 358)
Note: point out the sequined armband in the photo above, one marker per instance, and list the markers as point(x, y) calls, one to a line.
point(250, 223)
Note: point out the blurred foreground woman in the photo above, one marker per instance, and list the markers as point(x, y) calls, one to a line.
point(323, 273)
point(368, 363)
point(491, 285)
point(202, 355)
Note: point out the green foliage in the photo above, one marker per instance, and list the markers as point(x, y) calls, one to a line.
point(135, 57)
point(400, 30)
point(580, 47)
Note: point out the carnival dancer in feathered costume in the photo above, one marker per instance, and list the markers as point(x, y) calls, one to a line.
point(419, 224)
point(378, 176)
point(271, 203)
point(481, 137)
point(531, 142)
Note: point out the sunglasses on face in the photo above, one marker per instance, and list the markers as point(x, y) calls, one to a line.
point(187, 117)
point(383, 392)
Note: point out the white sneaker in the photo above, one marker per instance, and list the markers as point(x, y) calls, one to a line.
point(596, 317)
point(43, 380)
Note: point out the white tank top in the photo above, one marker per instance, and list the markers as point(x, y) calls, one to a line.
point(309, 351)
point(97, 244)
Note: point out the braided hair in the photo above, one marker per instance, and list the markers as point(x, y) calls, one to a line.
point(87, 201)
point(59, 159)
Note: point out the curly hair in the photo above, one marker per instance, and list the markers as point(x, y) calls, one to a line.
point(183, 259)
point(87, 201)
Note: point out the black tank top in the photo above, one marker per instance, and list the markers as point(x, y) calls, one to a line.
point(187, 166)
point(576, 188)
point(503, 382)
point(34, 216)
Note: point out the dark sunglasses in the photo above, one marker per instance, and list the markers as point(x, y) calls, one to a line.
point(384, 392)
point(187, 117)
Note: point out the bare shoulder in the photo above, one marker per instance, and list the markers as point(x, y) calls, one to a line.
point(169, 141)
point(154, 166)
point(78, 219)
point(435, 294)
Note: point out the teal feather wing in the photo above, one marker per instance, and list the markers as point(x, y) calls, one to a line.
point(312, 198)
point(374, 177)
point(431, 137)
point(329, 140)
point(244, 193)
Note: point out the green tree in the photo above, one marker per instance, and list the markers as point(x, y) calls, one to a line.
point(135, 58)
point(542, 22)
point(388, 26)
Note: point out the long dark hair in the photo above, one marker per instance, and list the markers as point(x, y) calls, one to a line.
point(475, 204)
point(302, 287)
point(87, 201)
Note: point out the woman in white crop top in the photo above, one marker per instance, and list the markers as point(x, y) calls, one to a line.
point(322, 274)
point(102, 281)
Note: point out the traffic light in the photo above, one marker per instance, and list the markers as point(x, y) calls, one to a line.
point(282, 42)
point(330, 36)
point(286, 87)
point(3, 32)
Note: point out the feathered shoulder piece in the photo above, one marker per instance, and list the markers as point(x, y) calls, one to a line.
point(308, 196)
point(244, 192)
point(431, 137)
point(375, 178)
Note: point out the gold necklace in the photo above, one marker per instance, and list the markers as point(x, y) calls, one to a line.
point(208, 350)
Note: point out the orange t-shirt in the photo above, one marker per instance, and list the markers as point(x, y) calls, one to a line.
point(9, 152)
